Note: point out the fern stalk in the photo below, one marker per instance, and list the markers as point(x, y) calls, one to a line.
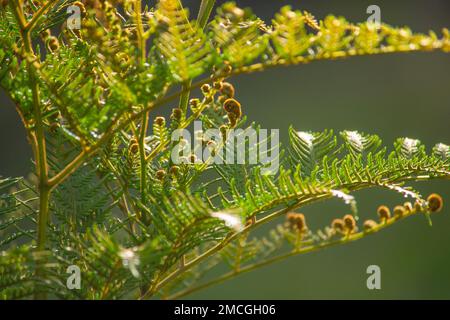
point(39, 139)
point(145, 118)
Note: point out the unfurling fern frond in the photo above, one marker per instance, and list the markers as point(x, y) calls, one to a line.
point(409, 148)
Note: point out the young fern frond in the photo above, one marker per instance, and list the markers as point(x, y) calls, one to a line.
point(187, 51)
point(110, 198)
point(307, 148)
point(18, 209)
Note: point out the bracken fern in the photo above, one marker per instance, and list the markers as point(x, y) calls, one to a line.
point(105, 194)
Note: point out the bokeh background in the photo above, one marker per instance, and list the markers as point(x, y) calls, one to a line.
point(392, 96)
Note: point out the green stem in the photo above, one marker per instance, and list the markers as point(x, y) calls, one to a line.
point(140, 31)
point(206, 7)
point(43, 217)
point(205, 11)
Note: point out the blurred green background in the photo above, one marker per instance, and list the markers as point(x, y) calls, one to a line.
point(392, 96)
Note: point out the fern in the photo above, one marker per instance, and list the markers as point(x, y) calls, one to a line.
point(238, 34)
point(17, 211)
point(187, 52)
point(106, 194)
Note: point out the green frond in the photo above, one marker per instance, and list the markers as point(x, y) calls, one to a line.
point(56, 16)
point(409, 148)
point(75, 86)
point(442, 151)
point(331, 174)
point(104, 265)
point(114, 202)
point(239, 156)
point(185, 221)
point(9, 35)
point(238, 34)
point(296, 38)
point(182, 42)
point(17, 272)
point(149, 81)
point(309, 149)
point(18, 202)
point(83, 201)
point(290, 35)
point(360, 144)
point(16, 278)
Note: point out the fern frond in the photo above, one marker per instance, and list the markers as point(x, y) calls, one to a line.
point(85, 104)
point(238, 34)
point(441, 151)
point(183, 44)
point(294, 39)
point(9, 35)
point(17, 272)
point(18, 202)
point(16, 279)
point(409, 148)
point(111, 199)
point(83, 201)
point(185, 221)
point(290, 36)
point(308, 149)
